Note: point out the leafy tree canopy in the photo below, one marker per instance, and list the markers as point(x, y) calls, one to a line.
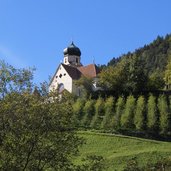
point(34, 134)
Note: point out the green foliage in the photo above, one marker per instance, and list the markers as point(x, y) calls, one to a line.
point(128, 115)
point(140, 114)
point(155, 80)
point(164, 114)
point(144, 69)
point(109, 113)
point(147, 115)
point(85, 84)
point(155, 54)
point(99, 112)
point(128, 75)
point(92, 163)
point(114, 61)
point(34, 134)
point(163, 164)
point(113, 78)
point(12, 79)
point(88, 111)
point(78, 111)
point(132, 165)
point(167, 74)
point(118, 150)
point(152, 115)
point(120, 106)
point(136, 77)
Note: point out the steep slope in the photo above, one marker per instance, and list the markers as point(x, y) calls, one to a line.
point(118, 150)
point(155, 55)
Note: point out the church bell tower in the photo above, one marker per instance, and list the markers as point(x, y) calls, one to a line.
point(72, 56)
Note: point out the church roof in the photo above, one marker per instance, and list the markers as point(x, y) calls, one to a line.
point(90, 71)
point(73, 72)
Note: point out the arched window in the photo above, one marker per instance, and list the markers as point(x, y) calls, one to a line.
point(60, 87)
point(65, 60)
point(77, 60)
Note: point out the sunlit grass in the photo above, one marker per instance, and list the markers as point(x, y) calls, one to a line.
point(117, 150)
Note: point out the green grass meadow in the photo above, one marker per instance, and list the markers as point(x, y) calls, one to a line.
point(117, 150)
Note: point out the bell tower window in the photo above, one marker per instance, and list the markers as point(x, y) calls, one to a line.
point(65, 60)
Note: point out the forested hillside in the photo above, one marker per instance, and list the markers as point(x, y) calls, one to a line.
point(155, 55)
point(144, 69)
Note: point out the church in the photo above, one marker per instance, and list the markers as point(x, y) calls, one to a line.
point(72, 69)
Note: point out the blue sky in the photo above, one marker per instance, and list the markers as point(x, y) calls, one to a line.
point(35, 32)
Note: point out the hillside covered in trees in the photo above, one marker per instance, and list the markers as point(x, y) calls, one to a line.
point(135, 99)
point(146, 69)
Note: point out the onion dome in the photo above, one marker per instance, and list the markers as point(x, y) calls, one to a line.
point(72, 50)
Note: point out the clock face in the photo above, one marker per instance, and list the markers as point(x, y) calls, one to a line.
point(61, 87)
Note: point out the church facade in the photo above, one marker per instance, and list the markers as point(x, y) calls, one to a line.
point(72, 69)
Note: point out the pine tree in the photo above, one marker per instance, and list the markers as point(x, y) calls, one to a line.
point(152, 115)
point(164, 114)
point(109, 110)
point(88, 111)
point(139, 118)
point(99, 112)
point(128, 115)
point(116, 120)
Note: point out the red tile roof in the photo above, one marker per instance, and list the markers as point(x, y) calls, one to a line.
point(90, 71)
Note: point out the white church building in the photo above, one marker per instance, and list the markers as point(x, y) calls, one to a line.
point(70, 70)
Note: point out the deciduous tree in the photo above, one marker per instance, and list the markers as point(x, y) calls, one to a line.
point(140, 114)
point(78, 111)
point(12, 79)
point(152, 115)
point(99, 112)
point(88, 111)
point(35, 134)
point(109, 113)
point(128, 115)
point(120, 106)
point(164, 114)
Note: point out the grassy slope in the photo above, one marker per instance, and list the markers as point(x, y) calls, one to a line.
point(117, 150)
